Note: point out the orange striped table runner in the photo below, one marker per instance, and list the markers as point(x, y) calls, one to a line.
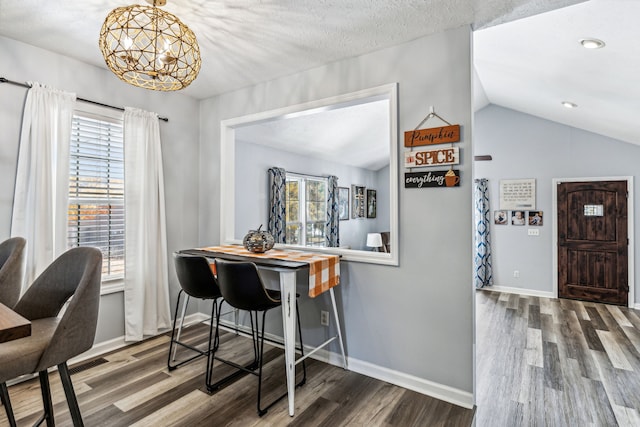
point(324, 270)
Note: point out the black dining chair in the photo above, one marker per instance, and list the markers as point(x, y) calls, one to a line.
point(198, 281)
point(12, 261)
point(74, 277)
point(242, 288)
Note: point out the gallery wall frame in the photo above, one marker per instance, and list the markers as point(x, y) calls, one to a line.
point(343, 203)
point(358, 202)
point(371, 203)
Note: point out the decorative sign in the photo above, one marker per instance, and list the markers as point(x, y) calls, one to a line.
point(450, 178)
point(432, 136)
point(443, 156)
point(518, 194)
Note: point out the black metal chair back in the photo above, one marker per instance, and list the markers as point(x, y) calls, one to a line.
point(195, 276)
point(242, 287)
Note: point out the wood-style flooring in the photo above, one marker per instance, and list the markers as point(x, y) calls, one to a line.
point(556, 362)
point(132, 387)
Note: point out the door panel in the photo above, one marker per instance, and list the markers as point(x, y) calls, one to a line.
point(592, 241)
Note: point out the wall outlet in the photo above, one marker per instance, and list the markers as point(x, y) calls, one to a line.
point(516, 273)
point(324, 318)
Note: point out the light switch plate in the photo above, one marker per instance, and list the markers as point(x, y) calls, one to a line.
point(533, 232)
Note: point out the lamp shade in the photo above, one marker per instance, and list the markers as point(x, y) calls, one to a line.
point(374, 240)
point(149, 48)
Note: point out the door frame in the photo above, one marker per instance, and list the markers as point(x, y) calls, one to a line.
point(630, 229)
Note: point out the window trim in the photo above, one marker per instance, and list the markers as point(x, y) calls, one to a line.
point(302, 205)
point(97, 112)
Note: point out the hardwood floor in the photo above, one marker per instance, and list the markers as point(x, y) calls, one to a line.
point(556, 362)
point(132, 387)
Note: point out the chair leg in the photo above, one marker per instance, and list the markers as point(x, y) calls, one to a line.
point(172, 345)
point(4, 396)
point(45, 389)
point(240, 369)
point(211, 349)
point(72, 401)
point(261, 411)
point(304, 366)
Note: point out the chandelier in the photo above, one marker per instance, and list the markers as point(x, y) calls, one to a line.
point(150, 48)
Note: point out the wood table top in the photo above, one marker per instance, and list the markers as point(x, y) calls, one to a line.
point(12, 325)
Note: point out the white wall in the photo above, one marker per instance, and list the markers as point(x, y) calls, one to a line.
point(525, 146)
point(415, 319)
point(22, 62)
point(252, 189)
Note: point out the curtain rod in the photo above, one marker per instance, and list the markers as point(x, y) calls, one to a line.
point(4, 80)
point(305, 174)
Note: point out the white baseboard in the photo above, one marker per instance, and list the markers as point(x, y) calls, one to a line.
point(521, 291)
point(411, 382)
point(420, 385)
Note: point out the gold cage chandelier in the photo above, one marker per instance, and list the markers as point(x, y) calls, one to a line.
point(150, 48)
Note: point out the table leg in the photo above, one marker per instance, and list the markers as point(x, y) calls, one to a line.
point(335, 314)
point(288, 294)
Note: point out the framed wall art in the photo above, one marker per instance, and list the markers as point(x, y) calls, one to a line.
point(357, 202)
point(343, 203)
point(371, 204)
point(535, 218)
point(517, 218)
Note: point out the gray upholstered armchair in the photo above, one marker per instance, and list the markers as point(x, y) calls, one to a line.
point(12, 259)
point(55, 339)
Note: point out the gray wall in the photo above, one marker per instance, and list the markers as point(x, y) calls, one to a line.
point(252, 189)
point(525, 146)
point(22, 62)
point(416, 318)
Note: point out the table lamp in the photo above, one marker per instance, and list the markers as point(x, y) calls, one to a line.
point(374, 240)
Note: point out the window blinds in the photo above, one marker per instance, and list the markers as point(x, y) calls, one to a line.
point(96, 190)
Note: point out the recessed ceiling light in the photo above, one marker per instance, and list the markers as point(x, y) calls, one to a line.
point(569, 104)
point(591, 43)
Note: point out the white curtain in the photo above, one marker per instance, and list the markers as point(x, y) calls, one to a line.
point(146, 293)
point(42, 178)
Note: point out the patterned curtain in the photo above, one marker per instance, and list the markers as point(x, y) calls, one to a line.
point(277, 211)
point(332, 228)
point(483, 275)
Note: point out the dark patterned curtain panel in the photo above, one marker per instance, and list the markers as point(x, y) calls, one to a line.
point(332, 229)
point(483, 275)
point(277, 192)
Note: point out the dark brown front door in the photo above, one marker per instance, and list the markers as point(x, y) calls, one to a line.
point(592, 241)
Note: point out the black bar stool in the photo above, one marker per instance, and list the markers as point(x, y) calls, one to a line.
point(242, 288)
point(197, 281)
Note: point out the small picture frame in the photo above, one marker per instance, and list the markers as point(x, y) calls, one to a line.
point(358, 201)
point(343, 203)
point(518, 218)
point(535, 218)
point(500, 217)
point(371, 204)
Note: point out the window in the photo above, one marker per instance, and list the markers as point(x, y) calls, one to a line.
point(96, 189)
point(306, 207)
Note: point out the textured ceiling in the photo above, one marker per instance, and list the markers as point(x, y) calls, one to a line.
point(251, 41)
point(529, 64)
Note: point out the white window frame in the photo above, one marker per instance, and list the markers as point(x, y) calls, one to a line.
point(302, 205)
point(116, 283)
